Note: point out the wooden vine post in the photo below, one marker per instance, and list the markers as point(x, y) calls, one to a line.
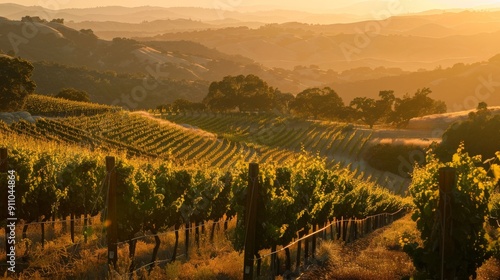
point(250, 220)
point(447, 181)
point(4, 188)
point(111, 222)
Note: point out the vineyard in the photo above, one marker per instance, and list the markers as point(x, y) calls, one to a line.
point(209, 139)
point(131, 180)
point(49, 106)
point(156, 195)
point(339, 143)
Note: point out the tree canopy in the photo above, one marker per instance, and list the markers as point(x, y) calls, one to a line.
point(73, 94)
point(318, 103)
point(15, 83)
point(370, 110)
point(250, 93)
point(247, 93)
point(419, 105)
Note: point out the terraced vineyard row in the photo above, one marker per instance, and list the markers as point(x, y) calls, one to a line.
point(49, 106)
point(139, 135)
point(341, 144)
point(326, 138)
point(221, 141)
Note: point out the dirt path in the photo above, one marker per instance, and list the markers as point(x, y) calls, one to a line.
point(375, 256)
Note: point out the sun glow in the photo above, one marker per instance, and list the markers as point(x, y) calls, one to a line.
point(342, 6)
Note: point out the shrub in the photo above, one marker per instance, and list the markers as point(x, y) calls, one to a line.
point(398, 159)
point(469, 207)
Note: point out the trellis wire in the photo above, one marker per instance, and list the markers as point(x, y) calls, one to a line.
point(324, 228)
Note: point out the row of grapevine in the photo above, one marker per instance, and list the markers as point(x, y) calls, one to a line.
point(52, 130)
point(155, 195)
point(327, 139)
point(43, 105)
point(164, 138)
point(138, 135)
point(280, 138)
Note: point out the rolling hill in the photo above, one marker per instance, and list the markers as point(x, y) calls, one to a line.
point(185, 63)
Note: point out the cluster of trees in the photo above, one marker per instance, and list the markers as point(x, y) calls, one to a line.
point(182, 105)
point(318, 103)
point(244, 93)
point(41, 20)
point(250, 93)
point(480, 134)
point(396, 111)
point(15, 83)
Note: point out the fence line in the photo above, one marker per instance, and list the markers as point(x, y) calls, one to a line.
point(182, 228)
point(149, 264)
point(58, 221)
point(168, 231)
point(323, 229)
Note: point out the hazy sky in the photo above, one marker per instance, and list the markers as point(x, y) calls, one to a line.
point(304, 5)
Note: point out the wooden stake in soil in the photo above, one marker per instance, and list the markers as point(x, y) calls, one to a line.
point(186, 240)
point(250, 220)
point(447, 181)
point(72, 227)
point(111, 222)
point(42, 227)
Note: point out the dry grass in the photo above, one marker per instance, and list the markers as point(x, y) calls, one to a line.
point(377, 256)
point(60, 259)
point(490, 270)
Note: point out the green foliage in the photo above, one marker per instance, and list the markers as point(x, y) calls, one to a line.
point(480, 134)
point(318, 103)
point(370, 110)
point(173, 185)
point(247, 93)
point(155, 195)
point(493, 229)
point(469, 211)
point(15, 83)
point(296, 197)
point(22, 161)
point(43, 194)
point(81, 181)
point(419, 105)
point(128, 204)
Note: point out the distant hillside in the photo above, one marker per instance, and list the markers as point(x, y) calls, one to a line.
point(169, 66)
point(462, 86)
point(410, 43)
point(443, 121)
point(116, 89)
point(285, 39)
point(177, 67)
point(58, 43)
point(173, 60)
point(218, 15)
